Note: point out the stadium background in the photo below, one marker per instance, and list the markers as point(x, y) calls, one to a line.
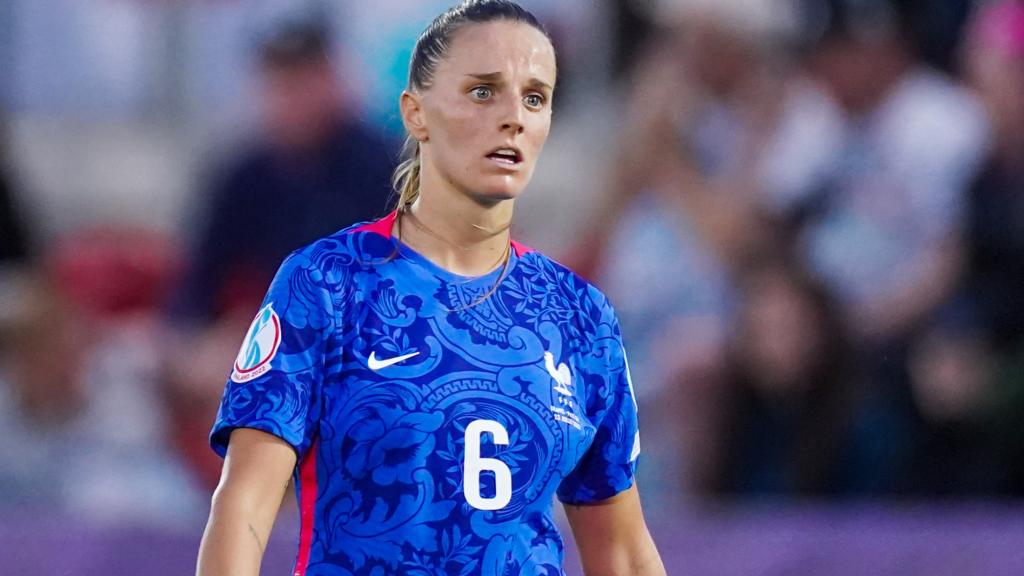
point(809, 216)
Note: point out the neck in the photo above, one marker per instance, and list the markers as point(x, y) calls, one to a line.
point(461, 237)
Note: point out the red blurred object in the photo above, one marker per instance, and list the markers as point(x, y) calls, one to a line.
point(112, 270)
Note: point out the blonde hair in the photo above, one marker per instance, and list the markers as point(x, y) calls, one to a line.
point(406, 180)
point(430, 49)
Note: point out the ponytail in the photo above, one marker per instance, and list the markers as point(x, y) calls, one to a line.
point(406, 179)
point(430, 49)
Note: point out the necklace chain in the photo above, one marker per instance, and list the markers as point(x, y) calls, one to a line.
point(423, 228)
point(504, 258)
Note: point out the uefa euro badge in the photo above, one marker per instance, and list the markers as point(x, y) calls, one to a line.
point(259, 347)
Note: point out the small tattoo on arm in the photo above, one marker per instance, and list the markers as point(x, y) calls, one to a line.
point(256, 537)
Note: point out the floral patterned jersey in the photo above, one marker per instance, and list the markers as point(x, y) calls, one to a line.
point(434, 421)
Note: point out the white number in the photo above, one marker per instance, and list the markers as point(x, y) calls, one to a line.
point(474, 465)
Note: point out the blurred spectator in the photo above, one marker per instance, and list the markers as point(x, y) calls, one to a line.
point(41, 398)
point(145, 263)
point(190, 395)
point(883, 223)
point(790, 419)
point(994, 66)
point(967, 386)
point(955, 447)
point(706, 97)
point(81, 429)
point(13, 237)
point(318, 169)
point(714, 113)
point(940, 30)
point(1007, 409)
point(13, 243)
point(632, 26)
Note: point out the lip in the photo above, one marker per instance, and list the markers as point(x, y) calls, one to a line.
point(504, 164)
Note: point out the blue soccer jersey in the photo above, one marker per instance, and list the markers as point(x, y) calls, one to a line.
point(433, 425)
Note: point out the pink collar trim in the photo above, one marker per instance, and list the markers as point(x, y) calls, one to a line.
point(380, 227)
point(383, 228)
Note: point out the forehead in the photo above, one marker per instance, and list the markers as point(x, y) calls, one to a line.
point(511, 48)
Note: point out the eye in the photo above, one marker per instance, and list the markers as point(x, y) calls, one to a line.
point(481, 92)
point(534, 100)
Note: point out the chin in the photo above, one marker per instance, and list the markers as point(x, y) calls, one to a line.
point(491, 192)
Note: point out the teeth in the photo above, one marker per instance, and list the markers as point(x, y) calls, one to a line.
point(505, 155)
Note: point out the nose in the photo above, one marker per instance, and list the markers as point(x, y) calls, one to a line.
point(512, 119)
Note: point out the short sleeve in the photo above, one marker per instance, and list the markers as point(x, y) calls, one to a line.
point(275, 380)
point(609, 465)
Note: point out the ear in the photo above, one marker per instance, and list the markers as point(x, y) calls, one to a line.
point(411, 106)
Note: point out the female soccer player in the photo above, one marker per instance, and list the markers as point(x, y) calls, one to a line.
point(430, 383)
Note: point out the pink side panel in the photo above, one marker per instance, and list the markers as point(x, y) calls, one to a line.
point(307, 509)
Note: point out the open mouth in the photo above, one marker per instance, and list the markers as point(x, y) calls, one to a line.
point(507, 155)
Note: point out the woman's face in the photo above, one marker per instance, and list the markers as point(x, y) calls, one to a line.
point(487, 113)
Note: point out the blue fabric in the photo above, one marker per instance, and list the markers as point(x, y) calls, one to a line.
point(541, 358)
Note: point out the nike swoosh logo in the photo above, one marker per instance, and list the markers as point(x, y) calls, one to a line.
point(376, 364)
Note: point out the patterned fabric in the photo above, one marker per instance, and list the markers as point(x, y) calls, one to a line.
point(433, 426)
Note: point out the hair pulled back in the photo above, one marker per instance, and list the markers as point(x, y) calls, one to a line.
point(431, 48)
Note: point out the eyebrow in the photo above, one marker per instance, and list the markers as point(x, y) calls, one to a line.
point(496, 77)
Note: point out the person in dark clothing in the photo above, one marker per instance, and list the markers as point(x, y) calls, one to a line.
point(793, 414)
point(13, 238)
point(291, 200)
point(956, 449)
point(994, 67)
point(318, 169)
point(995, 278)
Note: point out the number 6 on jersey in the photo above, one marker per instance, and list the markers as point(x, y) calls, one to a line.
point(474, 465)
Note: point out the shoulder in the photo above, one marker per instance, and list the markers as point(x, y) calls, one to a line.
point(556, 277)
point(360, 243)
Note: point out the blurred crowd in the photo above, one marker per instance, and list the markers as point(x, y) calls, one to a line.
point(809, 215)
point(815, 246)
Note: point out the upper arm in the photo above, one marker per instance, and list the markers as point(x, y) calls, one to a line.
point(255, 477)
point(252, 484)
point(612, 537)
point(257, 465)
